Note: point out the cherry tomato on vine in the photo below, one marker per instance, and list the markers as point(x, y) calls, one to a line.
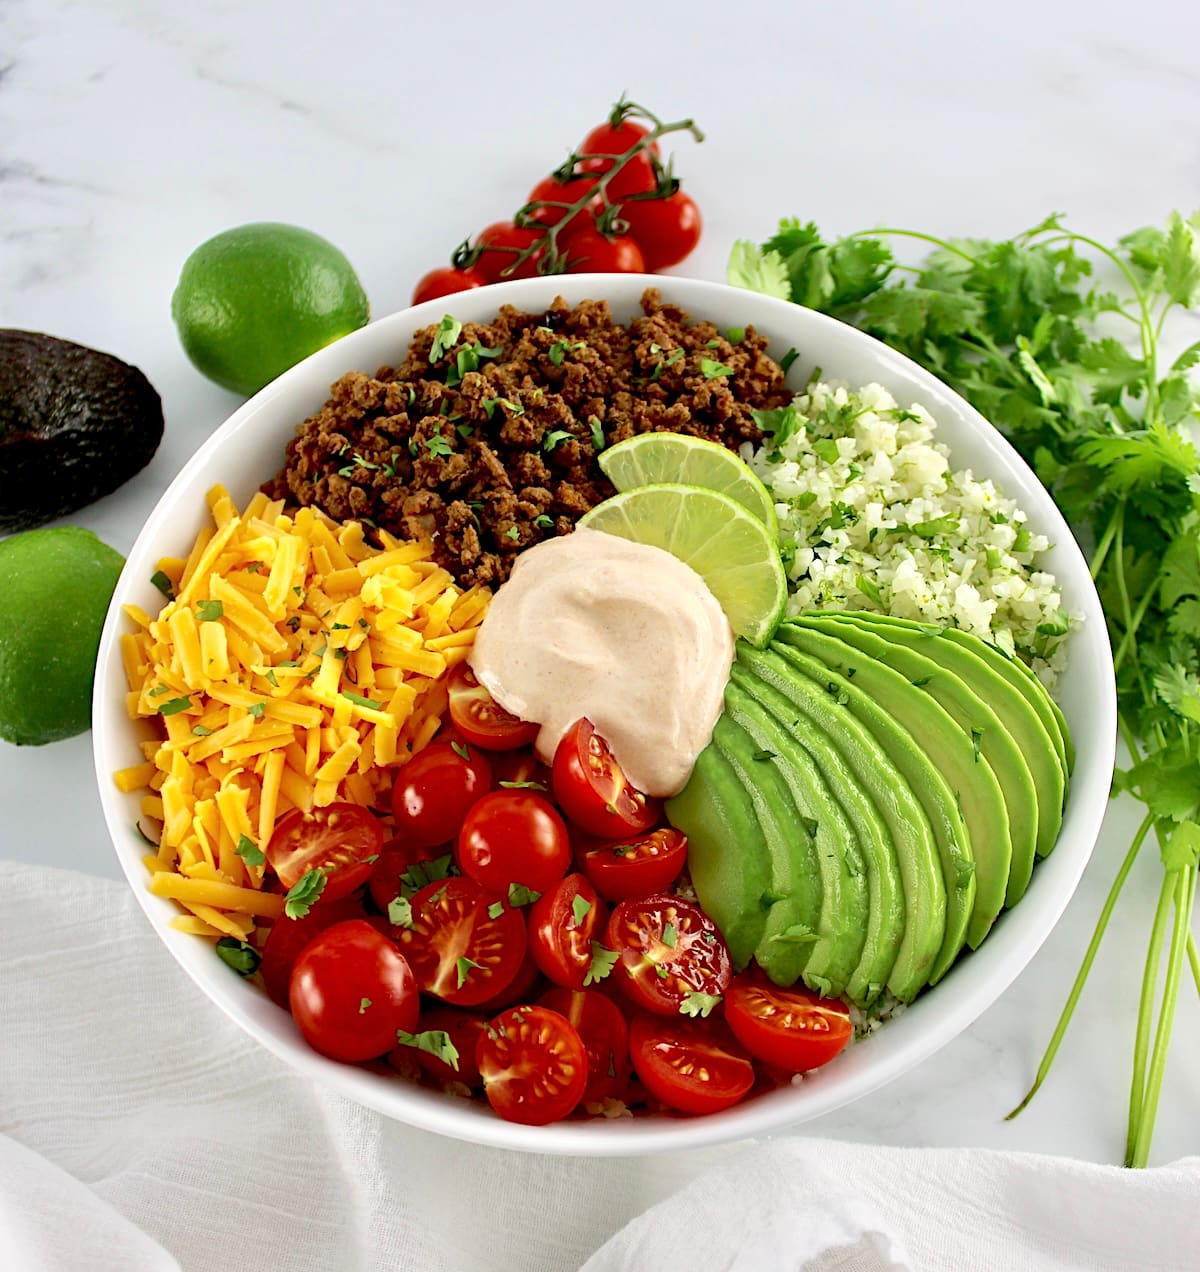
point(434, 791)
point(792, 1028)
point(288, 937)
point(514, 836)
point(562, 925)
point(666, 229)
point(337, 839)
point(636, 867)
point(445, 281)
point(696, 1066)
point(550, 190)
point(350, 990)
point(463, 944)
point(514, 239)
point(591, 789)
point(608, 138)
point(592, 253)
point(534, 1065)
point(480, 719)
point(601, 1026)
point(669, 954)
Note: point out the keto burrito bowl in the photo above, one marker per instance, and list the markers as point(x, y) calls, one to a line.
point(913, 656)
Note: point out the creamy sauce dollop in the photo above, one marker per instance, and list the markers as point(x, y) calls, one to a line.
point(623, 633)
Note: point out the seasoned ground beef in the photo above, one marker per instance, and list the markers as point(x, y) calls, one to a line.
point(491, 446)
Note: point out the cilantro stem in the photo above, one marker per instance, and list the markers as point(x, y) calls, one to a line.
point(1131, 631)
point(1194, 960)
point(913, 234)
point(1085, 968)
point(1141, 1046)
point(1106, 540)
point(1184, 896)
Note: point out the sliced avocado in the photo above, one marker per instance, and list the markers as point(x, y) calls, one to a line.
point(727, 854)
point(936, 796)
point(969, 775)
point(787, 789)
point(814, 714)
point(1039, 747)
point(992, 742)
point(792, 748)
point(74, 425)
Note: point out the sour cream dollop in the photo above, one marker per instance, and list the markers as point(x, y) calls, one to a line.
point(625, 634)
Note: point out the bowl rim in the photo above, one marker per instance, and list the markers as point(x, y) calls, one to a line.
point(872, 1062)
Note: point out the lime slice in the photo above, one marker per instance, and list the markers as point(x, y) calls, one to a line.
point(652, 458)
point(731, 550)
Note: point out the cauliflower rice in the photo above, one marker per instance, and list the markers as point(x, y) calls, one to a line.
point(871, 516)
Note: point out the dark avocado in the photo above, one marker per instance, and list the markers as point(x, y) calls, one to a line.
point(74, 425)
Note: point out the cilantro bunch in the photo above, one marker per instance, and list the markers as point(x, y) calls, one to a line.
point(1071, 370)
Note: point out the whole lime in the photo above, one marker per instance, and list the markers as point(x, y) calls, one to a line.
point(55, 586)
point(257, 299)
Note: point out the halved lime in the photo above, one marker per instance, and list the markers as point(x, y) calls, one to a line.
point(734, 553)
point(653, 458)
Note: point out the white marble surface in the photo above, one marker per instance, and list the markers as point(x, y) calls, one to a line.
point(130, 132)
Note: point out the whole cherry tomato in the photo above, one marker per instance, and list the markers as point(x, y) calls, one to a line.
point(550, 190)
point(591, 253)
point(445, 281)
point(666, 229)
point(592, 790)
point(351, 989)
point(506, 241)
point(341, 839)
point(288, 937)
point(435, 789)
point(514, 836)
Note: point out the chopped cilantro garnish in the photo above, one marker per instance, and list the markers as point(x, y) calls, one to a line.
point(698, 1004)
point(363, 1004)
point(598, 442)
point(360, 701)
point(785, 363)
point(303, 893)
point(544, 522)
point(174, 706)
point(581, 907)
point(249, 851)
point(463, 966)
point(163, 583)
point(399, 912)
point(519, 894)
point(603, 961)
point(460, 749)
point(522, 786)
point(445, 338)
point(713, 370)
point(209, 611)
point(512, 533)
point(435, 1042)
point(257, 709)
point(495, 910)
point(735, 335)
point(556, 437)
point(764, 755)
point(243, 958)
point(669, 935)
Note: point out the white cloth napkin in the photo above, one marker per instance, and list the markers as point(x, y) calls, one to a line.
point(141, 1132)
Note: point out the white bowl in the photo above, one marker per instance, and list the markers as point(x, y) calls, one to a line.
point(248, 448)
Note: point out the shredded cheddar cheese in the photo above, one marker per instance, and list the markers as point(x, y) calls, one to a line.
point(296, 665)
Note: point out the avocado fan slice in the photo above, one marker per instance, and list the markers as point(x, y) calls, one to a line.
point(992, 742)
point(850, 758)
point(727, 855)
point(1041, 750)
point(791, 793)
point(747, 704)
point(959, 759)
point(931, 788)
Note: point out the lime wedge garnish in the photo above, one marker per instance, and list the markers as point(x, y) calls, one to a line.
point(731, 550)
point(653, 458)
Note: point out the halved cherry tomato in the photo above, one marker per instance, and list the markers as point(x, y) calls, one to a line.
point(589, 252)
point(792, 1028)
point(665, 229)
point(523, 988)
point(480, 718)
point(667, 950)
point(636, 867)
point(599, 1022)
point(351, 989)
point(463, 944)
point(288, 937)
point(615, 139)
point(337, 839)
point(562, 924)
point(395, 860)
point(507, 241)
point(514, 836)
point(463, 1029)
point(691, 1065)
point(434, 791)
point(550, 190)
point(534, 1065)
point(445, 282)
point(591, 789)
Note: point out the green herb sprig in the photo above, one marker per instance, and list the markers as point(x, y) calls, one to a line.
point(1022, 329)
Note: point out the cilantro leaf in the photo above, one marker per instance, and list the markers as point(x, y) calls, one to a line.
point(304, 893)
point(243, 958)
point(445, 338)
point(696, 1004)
point(249, 851)
point(757, 269)
point(603, 961)
point(435, 1042)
